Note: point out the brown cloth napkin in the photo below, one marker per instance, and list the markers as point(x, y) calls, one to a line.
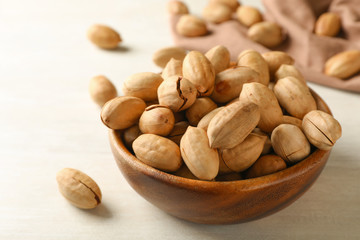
point(297, 17)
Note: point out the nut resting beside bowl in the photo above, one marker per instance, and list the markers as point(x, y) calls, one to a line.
point(213, 202)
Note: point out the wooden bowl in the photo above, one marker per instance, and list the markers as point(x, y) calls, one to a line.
point(219, 202)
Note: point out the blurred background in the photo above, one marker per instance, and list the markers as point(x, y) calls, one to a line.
point(48, 122)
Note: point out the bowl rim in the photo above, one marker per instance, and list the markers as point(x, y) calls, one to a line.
point(250, 184)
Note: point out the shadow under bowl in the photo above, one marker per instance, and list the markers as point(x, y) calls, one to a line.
point(219, 202)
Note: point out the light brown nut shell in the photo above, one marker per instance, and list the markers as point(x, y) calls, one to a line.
point(199, 70)
point(343, 65)
point(233, 4)
point(268, 34)
point(292, 120)
point(149, 103)
point(191, 26)
point(199, 109)
point(270, 111)
point(177, 93)
point(101, 90)
point(254, 60)
point(175, 7)
point(223, 169)
point(229, 83)
point(204, 122)
point(286, 70)
point(162, 56)
point(328, 24)
point(185, 172)
point(172, 68)
point(275, 59)
point(103, 36)
point(232, 101)
point(271, 86)
point(178, 131)
point(233, 124)
point(78, 188)
point(217, 13)
point(290, 143)
point(219, 56)
point(122, 112)
point(202, 160)
point(267, 145)
point(266, 165)
point(130, 134)
point(158, 152)
point(243, 155)
point(248, 15)
point(321, 129)
point(294, 96)
point(143, 85)
point(157, 119)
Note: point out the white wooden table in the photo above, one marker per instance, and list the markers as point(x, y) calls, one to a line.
point(47, 122)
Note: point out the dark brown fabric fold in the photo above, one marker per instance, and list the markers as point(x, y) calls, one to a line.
point(297, 17)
